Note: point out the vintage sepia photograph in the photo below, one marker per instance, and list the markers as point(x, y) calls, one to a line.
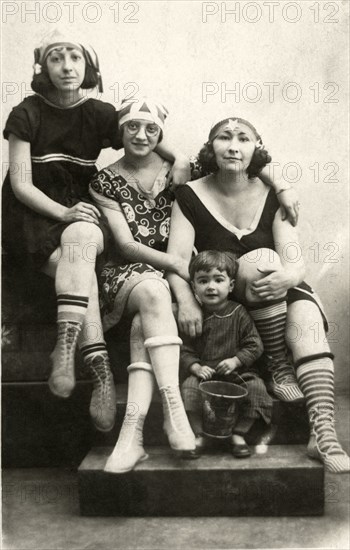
point(175, 275)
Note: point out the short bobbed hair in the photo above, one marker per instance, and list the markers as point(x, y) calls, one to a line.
point(206, 155)
point(41, 83)
point(214, 259)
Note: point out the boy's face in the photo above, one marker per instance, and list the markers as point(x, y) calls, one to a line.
point(212, 287)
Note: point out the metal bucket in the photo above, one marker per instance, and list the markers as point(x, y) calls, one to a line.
point(219, 407)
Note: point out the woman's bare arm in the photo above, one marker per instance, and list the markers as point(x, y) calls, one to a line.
point(181, 241)
point(286, 195)
point(137, 252)
point(181, 171)
point(288, 248)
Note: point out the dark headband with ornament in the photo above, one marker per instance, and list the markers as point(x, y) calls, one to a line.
point(231, 124)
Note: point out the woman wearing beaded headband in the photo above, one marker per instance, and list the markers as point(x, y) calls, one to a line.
point(231, 209)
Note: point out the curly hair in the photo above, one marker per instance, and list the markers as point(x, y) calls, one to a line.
point(214, 259)
point(207, 160)
point(41, 83)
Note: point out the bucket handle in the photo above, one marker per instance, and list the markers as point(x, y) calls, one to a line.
point(244, 382)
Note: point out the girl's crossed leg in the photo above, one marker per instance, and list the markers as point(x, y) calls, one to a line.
point(78, 318)
point(155, 350)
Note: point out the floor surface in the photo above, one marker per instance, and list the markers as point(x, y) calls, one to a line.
point(40, 512)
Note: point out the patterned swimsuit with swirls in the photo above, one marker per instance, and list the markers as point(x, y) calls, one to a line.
point(148, 217)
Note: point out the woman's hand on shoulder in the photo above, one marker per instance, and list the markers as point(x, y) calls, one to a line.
point(289, 204)
point(180, 172)
point(190, 318)
point(82, 212)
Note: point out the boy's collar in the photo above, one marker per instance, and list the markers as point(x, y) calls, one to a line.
point(221, 312)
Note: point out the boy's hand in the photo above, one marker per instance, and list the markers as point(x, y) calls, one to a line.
point(202, 371)
point(228, 365)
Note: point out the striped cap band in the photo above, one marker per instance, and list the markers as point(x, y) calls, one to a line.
point(142, 108)
point(57, 46)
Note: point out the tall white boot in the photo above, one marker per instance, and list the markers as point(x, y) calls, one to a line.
point(176, 424)
point(129, 448)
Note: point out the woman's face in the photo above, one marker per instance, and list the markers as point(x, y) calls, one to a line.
point(140, 137)
point(234, 146)
point(66, 67)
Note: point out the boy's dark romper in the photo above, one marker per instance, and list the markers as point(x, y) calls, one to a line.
point(232, 333)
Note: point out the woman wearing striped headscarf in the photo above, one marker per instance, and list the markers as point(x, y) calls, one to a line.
point(135, 196)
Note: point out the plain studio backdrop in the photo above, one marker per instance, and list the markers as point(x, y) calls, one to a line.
point(282, 65)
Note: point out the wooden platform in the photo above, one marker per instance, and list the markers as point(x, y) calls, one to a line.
point(282, 482)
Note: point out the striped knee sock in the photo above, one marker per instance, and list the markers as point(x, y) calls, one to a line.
point(316, 380)
point(270, 320)
point(71, 307)
point(91, 350)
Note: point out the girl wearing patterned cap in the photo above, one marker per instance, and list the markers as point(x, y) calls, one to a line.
point(135, 196)
point(49, 221)
point(57, 134)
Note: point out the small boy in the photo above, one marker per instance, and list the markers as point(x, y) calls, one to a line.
point(228, 346)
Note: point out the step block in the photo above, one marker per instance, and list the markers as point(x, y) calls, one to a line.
point(41, 430)
point(64, 432)
point(290, 419)
point(283, 482)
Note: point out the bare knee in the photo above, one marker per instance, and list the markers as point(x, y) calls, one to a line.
point(261, 259)
point(83, 232)
point(253, 266)
point(155, 295)
point(84, 237)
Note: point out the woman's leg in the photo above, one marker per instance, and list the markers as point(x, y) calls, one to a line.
point(270, 320)
point(151, 299)
point(315, 374)
point(73, 266)
point(129, 448)
point(103, 399)
point(96, 361)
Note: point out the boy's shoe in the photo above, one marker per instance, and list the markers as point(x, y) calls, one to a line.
point(240, 450)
